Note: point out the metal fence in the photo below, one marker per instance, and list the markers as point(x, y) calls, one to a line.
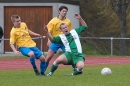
point(41, 43)
point(106, 38)
point(94, 38)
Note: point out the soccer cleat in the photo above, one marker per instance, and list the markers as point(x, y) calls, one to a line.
point(49, 74)
point(37, 72)
point(69, 74)
point(42, 74)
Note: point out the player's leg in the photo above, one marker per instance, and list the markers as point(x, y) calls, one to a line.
point(60, 60)
point(79, 68)
point(78, 60)
point(50, 54)
point(63, 49)
point(79, 64)
point(39, 55)
point(52, 50)
point(29, 53)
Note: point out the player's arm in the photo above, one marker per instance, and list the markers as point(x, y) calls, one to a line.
point(50, 29)
point(83, 23)
point(12, 41)
point(83, 26)
point(33, 33)
point(16, 52)
point(48, 34)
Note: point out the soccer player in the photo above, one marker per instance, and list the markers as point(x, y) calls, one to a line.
point(54, 30)
point(20, 34)
point(73, 51)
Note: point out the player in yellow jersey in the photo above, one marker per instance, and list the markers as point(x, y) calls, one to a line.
point(54, 30)
point(20, 34)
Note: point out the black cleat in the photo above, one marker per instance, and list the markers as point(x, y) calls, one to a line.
point(37, 72)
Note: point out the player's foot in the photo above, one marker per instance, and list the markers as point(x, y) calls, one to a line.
point(37, 72)
point(69, 74)
point(42, 74)
point(49, 74)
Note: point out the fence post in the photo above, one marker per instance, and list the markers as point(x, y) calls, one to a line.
point(111, 46)
point(41, 43)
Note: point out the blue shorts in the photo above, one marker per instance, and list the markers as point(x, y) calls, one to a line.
point(35, 50)
point(55, 47)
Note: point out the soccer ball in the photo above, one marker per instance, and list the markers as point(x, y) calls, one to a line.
point(106, 71)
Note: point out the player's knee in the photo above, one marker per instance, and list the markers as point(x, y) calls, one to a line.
point(42, 58)
point(80, 66)
point(31, 54)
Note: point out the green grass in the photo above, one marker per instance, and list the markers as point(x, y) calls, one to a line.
point(90, 77)
point(7, 57)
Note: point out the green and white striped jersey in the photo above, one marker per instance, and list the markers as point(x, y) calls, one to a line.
point(71, 41)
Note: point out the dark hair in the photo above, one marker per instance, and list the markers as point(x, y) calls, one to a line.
point(63, 7)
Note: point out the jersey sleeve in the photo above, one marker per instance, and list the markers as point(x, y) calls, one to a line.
point(57, 40)
point(81, 29)
point(12, 37)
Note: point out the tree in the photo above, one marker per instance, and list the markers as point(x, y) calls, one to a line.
point(120, 7)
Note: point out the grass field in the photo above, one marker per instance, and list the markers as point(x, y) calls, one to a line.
point(90, 77)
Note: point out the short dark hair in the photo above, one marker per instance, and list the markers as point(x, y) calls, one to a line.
point(63, 7)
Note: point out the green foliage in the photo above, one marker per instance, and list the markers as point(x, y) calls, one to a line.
point(102, 21)
point(90, 49)
point(90, 77)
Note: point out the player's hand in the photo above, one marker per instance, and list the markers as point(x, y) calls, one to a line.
point(45, 28)
point(77, 16)
point(16, 52)
point(37, 35)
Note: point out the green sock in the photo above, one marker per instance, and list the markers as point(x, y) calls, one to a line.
point(53, 68)
point(76, 72)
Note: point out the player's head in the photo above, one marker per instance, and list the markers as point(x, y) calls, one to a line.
point(63, 11)
point(16, 20)
point(64, 28)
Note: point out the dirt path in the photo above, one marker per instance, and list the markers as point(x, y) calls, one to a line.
point(17, 64)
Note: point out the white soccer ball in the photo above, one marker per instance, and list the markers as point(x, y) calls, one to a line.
point(106, 71)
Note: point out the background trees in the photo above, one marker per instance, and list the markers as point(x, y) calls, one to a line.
point(107, 18)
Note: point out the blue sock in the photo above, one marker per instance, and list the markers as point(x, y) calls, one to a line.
point(32, 61)
point(43, 67)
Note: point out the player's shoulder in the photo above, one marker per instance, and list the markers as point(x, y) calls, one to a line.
point(53, 19)
point(12, 30)
point(67, 19)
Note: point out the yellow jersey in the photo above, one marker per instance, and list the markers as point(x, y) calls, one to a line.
point(54, 26)
point(21, 36)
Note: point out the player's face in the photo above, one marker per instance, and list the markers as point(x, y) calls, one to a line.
point(63, 12)
point(17, 22)
point(64, 29)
